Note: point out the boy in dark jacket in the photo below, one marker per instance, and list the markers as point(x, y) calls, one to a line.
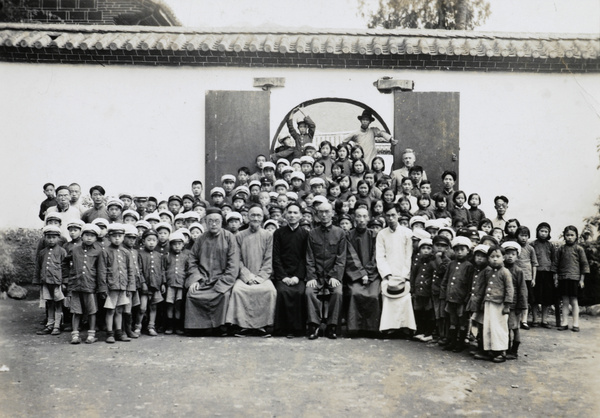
point(48, 274)
point(519, 302)
point(83, 281)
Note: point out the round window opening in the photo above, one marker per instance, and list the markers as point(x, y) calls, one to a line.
point(335, 119)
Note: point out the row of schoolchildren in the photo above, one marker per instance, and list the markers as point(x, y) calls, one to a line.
point(492, 288)
point(436, 294)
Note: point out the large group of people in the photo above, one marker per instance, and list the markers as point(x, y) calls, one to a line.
point(316, 238)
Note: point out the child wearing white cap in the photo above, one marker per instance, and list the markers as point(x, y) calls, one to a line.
point(83, 282)
point(115, 282)
point(176, 265)
point(48, 274)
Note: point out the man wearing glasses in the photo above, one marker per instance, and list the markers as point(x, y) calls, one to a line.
point(500, 204)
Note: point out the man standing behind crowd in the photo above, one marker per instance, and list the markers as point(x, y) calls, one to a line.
point(214, 266)
point(75, 190)
point(99, 209)
point(325, 262)
point(252, 304)
point(365, 136)
point(289, 266)
point(66, 212)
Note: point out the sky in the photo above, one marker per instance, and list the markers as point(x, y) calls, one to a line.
point(557, 16)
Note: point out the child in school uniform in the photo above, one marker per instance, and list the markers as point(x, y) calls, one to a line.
point(151, 264)
point(130, 243)
point(116, 281)
point(228, 184)
point(130, 217)
point(163, 230)
point(441, 244)
point(571, 267)
point(519, 303)
point(83, 282)
point(474, 305)
point(496, 297)
point(421, 276)
point(176, 265)
point(48, 274)
point(74, 227)
point(527, 262)
point(455, 291)
point(545, 292)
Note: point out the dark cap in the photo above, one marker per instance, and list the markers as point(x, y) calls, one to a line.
point(440, 239)
point(212, 210)
point(175, 197)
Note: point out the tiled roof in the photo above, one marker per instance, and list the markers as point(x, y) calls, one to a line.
point(335, 42)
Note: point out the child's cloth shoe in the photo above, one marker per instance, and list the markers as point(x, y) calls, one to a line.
point(55, 331)
point(75, 338)
point(91, 339)
point(110, 339)
point(152, 332)
point(45, 331)
point(562, 328)
point(121, 336)
point(575, 329)
point(524, 325)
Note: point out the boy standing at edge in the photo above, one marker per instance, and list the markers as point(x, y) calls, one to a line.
point(48, 274)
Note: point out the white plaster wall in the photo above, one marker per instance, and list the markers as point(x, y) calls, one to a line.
point(531, 137)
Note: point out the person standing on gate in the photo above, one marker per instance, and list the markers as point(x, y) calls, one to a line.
point(365, 136)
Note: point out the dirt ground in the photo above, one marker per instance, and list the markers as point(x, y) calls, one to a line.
point(557, 374)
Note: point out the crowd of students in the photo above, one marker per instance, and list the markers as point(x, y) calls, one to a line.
point(468, 271)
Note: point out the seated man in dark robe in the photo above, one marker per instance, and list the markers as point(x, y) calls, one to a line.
point(363, 283)
point(214, 266)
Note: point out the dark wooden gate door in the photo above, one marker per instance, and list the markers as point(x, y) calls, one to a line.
point(236, 131)
point(428, 122)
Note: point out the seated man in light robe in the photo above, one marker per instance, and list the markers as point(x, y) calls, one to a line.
point(252, 304)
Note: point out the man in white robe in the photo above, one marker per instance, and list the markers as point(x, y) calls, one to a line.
point(393, 251)
point(252, 303)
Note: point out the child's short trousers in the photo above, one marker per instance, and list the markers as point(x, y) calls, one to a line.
point(116, 298)
point(514, 320)
point(135, 298)
point(82, 302)
point(154, 297)
point(52, 292)
point(174, 294)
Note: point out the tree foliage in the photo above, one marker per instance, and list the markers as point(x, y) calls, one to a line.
point(425, 14)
